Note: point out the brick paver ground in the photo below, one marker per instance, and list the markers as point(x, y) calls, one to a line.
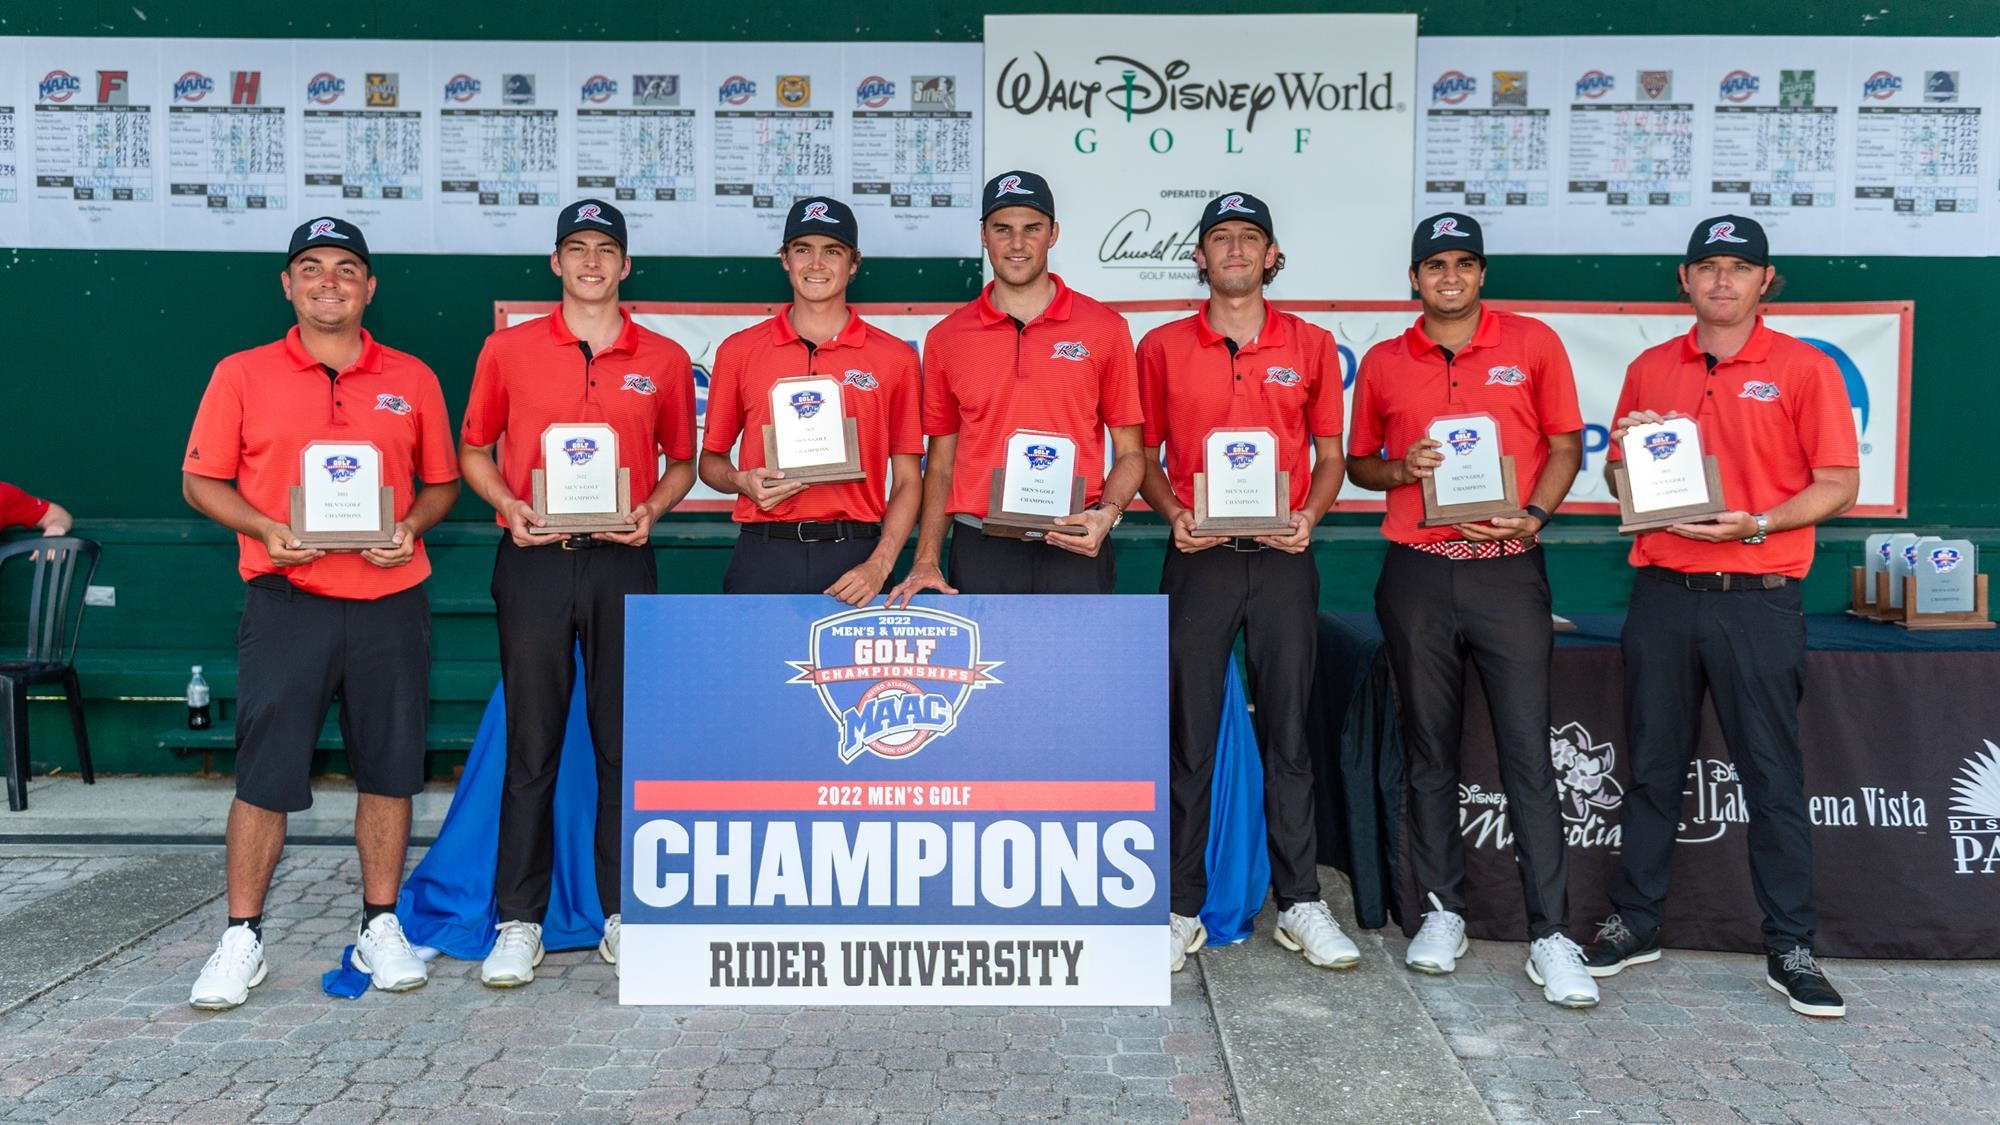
point(120, 1043)
point(24, 879)
point(1699, 1037)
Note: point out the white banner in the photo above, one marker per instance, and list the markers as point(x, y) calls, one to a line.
point(1138, 122)
point(1867, 342)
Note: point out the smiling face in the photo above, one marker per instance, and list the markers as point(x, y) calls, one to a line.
point(819, 267)
point(1725, 290)
point(1448, 284)
point(328, 288)
point(1017, 241)
point(1238, 257)
point(591, 264)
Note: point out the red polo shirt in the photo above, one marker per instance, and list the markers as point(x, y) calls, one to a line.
point(264, 406)
point(1068, 371)
point(1514, 369)
point(1287, 380)
point(537, 374)
point(1770, 414)
point(18, 509)
point(881, 390)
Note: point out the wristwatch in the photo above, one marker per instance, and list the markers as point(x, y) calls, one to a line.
point(1539, 514)
point(1117, 512)
point(1763, 529)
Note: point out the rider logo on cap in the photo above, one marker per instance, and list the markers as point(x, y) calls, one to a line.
point(1723, 232)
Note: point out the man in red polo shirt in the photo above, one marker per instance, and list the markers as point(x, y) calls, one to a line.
point(1029, 353)
point(318, 622)
point(1716, 606)
point(1241, 364)
point(18, 509)
point(585, 362)
point(1477, 590)
point(838, 538)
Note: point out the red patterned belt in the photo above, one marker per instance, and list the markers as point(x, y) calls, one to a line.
point(1465, 550)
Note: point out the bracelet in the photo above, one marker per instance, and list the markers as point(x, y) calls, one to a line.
point(1539, 514)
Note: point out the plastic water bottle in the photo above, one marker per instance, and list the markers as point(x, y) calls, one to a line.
point(197, 694)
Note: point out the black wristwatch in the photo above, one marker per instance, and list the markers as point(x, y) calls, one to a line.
point(1539, 514)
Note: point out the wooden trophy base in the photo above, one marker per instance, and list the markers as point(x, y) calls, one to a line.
point(1860, 599)
point(1217, 527)
point(345, 540)
point(1630, 521)
point(1974, 618)
point(1883, 611)
point(1017, 525)
point(830, 473)
point(582, 523)
point(1444, 515)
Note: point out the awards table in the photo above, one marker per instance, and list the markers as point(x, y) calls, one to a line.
point(1901, 736)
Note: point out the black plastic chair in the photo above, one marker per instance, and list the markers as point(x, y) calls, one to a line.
point(55, 617)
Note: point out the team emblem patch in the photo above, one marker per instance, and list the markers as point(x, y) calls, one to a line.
point(859, 380)
point(591, 213)
point(342, 468)
point(1662, 444)
point(1230, 203)
point(1010, 185)
point(1883, 550)
point(638, 384)
point(1240, 453)
point(1071, 350)
point(580, 450)
point(1762, 392)
point(806, 404)
point(1447, 227)
point(1283, 376)
point(795, 90)
point(394, 404)
point(1910, 556)
point(1945, 559)
point(815, 212)
point(1505, 376)
point(893, 680)
point(1463, 440)
point(1041, 457)
point(1722, 232)
point(323, 228)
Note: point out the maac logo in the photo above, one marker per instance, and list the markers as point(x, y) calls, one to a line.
point(342, 468)
point(193, 86)
point(806, 404)
point(325, 89)
point(1738, 86)
point(874, 92)
point(860, 380)
point(1883, 550)
point(1041, 457)
point(1722, 232)
point(1505, 376)
point(1240, 453)
point(597, 89)
point(1463, 440)
point(1071, 350)
point(1974, 821)
point(638, 384)
point(893, 680)
point(59, 86)
point(580, 450)
point(1283, 376)
point(1453, 87)
point(1593, 85)
point(815, 212)
point(1662, 445)
point(461, 88)
point(1761, 391)
point(394, 404)
point(1447, 227)
point(1944, 560)
point(735, 90)
point(1882, 85)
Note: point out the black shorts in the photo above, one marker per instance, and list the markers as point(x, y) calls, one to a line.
point(295, 651)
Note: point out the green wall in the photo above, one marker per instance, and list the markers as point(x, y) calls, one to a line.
point(108, 351)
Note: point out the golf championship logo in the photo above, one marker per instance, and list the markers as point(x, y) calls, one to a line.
point(893, 681)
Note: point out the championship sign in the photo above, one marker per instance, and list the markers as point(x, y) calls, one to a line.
point(826, 805)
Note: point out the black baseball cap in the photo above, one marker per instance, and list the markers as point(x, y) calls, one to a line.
point(1447, 230)
point(1730, 235)
point(1237, 206)
point(591, 214)
point(1018, 189)
point(328, 231)
point(819, 214)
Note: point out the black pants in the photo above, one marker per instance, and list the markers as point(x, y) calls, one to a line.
point(1435, 613)
point(994, 564)
point(548, 599)
point(1272, 597)
point(761, 565)
point(1747, 650)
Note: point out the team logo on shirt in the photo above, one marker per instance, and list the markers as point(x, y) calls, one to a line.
point(394, 404)
point(1010, 185)
point(580, 450)
point(1762, 392)
point(1945, 559)
point(860, 380)
point(1071, 350)
point(1462, 440)
point(1722, 232)
point(1041, 457)
point(638, 384)
point(1505, 376)
point(1662, 445)
point(323, 228)
point(1230, 203)
point(892, 682)
point(1283, 376)
point(807, 403)
point(342, 468)
point(1447, 227)
point(1240, 453)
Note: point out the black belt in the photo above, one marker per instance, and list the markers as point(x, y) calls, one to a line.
point(583, 543)
point(1244, 543)
point(816, 531)
point(1718, 582)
